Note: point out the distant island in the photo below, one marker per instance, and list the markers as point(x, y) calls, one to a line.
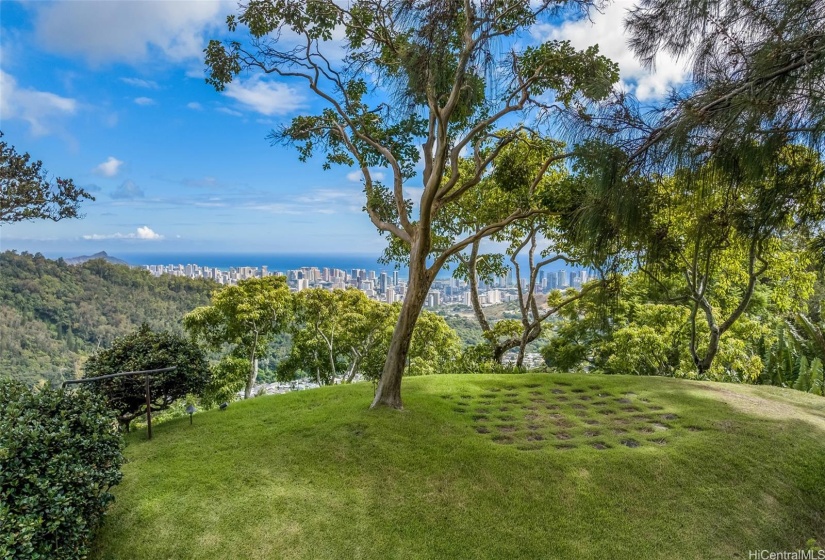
point(101, 255)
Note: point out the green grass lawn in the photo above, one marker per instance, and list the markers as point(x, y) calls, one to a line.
point(481, 466)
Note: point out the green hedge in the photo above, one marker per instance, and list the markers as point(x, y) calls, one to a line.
point(60, 454)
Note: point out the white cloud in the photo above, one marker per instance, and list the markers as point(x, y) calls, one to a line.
point(144, 101)
point(229, 111)
point(265, 97)
point(144, 232)
point(195, 106)
point(38, 108)
point(356, 176)
point(108, 168)
point(137, 82)
point(607, 30)
point(129, 30)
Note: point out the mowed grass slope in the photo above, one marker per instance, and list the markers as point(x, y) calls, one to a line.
point(481, 466)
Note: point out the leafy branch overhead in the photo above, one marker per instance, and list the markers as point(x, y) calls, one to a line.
point(27, 192)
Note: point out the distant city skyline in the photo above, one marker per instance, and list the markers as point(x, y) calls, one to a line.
point(385, 286)
point(112, 94)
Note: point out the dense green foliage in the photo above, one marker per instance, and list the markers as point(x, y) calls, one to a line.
point(60, 455)
point(144, 350)
point(242, 322)
point(638, 331)
point(295, 476)
point(53, 315)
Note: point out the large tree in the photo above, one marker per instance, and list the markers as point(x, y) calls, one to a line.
point(404, 74)
point(713, 234)
point(28, 193)
point(243, 320)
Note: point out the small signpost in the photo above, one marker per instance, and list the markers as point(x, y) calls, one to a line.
point(148, 373)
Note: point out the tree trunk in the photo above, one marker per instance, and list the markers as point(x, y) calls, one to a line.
point(703, 364)
point(388, 392)
point(250, 381)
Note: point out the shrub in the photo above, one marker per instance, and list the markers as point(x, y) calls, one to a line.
point(141, 350)
point(60, 454)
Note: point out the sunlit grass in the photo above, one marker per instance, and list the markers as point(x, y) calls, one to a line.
point(508, 466)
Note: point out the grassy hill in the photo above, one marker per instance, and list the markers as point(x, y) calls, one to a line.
point(481, 466)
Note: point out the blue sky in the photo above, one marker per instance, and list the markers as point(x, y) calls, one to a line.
point(112, 95)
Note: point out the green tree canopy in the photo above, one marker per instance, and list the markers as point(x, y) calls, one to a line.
point(242, 321)
point(146, 349)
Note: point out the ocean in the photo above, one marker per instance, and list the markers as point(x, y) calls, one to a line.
point(284, 262)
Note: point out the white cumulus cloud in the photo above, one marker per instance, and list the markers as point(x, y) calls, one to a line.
point(607, 30)
point(195, 106)
point(38, 108)
point(266, 97)
point(143, 101)
point(129, 30)
point(108, 168)
point(144, 233)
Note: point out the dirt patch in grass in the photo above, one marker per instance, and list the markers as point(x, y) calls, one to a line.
point(659, 441)
point(578, 406)
point(535, 437)
point(506, 428)
point(557, 391)
point(660, 427)
point(563, 436)
point(460, 410)
point(599, 445)
point(483, 430)
point(480, 417)
point(502, 438)
point(592, 422)
point(592, 433)
point(630, 443)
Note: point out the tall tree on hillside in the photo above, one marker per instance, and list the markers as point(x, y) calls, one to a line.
point(397, 74)
point(520, 177)
point(27, 192)
point(714, 234)
point(245, 318)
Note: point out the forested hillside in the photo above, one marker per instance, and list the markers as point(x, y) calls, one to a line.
point(52, 314)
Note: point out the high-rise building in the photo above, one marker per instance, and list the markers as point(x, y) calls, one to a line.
point(382, 282)
point(394, 277)
point(562, 279)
